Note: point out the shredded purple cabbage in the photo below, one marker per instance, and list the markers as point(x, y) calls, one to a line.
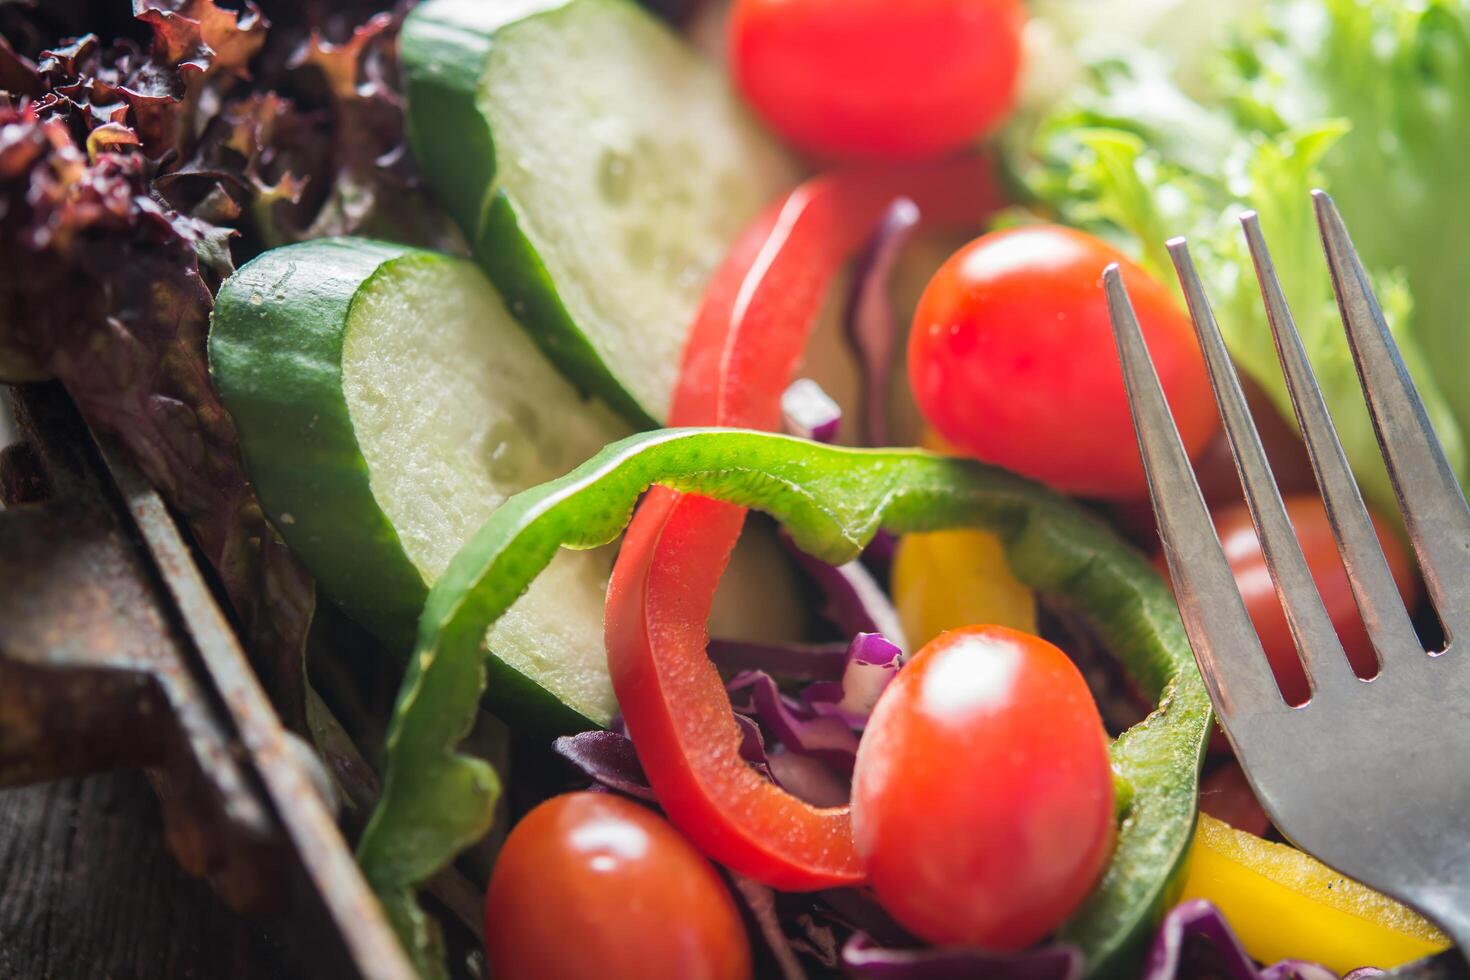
point(793, 661)
point(871, 663)
point(878, 555)
point(858, 910)
point(853, 600)
point(608, 759)
point(792, 723)
point(816, 733)
point(822, 722)
point(1195, 940)
point(753, 746)
point(808, 779)
point(862, 959)
point(760, 902)
point(809, 412)
point(869, 325)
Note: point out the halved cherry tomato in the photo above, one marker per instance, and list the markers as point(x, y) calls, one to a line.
point(1309, 519)
point(1011, 358)
point(982, 800)
point(592, 885)
point(878, 79)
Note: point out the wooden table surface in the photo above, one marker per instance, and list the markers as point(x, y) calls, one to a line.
point(88, 892)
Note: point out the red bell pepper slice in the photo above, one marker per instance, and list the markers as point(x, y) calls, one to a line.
point(747, 339)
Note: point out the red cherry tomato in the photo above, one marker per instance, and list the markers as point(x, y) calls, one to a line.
point(982, 800)
point(1309, 518)
point(878, 79)
point(1226, 795)
point(593, 885)
point(1219, 481)
point(1012, 359)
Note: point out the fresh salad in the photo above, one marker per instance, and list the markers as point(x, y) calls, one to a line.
point(537, 377)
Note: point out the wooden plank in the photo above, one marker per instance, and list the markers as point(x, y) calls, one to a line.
point(88, 891)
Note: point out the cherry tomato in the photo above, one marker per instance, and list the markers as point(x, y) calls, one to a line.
point(982, 800)
point(878, 79)
point(1011, 358)
point(1219, 481)
point(1227, 796)
point(593, 885)
point(1309, 519)
point(1214, 468)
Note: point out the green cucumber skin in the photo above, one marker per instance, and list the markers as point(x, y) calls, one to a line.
point(444, 47)
point(275, 355)
point(276, 363)
point(448, 59)
point(513, 264)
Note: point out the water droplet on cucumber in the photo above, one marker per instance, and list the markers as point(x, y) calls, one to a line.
point(615, 176)
point(505, 453)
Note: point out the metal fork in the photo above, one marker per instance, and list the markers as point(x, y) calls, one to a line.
point(1371, 777)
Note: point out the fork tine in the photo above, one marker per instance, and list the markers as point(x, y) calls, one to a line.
point(1435, 515)
point(1357, 542)
point(1317, 644)
point(1225, 643)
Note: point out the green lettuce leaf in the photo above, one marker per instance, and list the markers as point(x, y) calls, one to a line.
point(1290, 106)
point(1400, 71)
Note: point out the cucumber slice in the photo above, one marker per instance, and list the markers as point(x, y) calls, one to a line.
point(387, 404)
point(599, 165)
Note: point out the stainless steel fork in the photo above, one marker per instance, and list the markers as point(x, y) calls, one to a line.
point(1371, 777)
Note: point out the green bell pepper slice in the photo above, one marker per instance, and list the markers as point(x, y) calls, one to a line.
point(831, 500)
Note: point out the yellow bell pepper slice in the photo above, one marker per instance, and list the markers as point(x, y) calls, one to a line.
point(946, 579)
point(1284, 904)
